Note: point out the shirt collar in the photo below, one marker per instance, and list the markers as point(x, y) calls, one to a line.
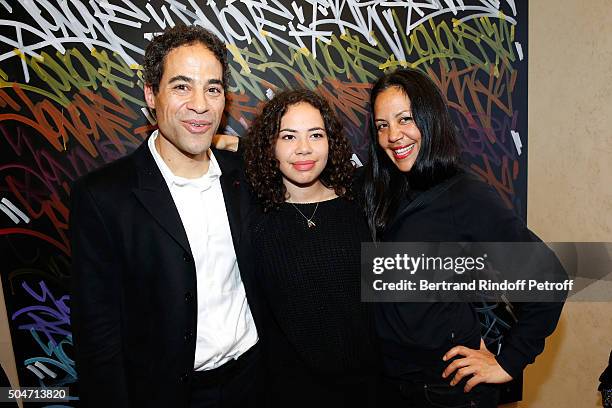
point(202, 183)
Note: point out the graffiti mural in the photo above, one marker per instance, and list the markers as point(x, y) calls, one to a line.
point(71, 100)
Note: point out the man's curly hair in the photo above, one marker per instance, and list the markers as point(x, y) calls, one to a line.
point(178, 36)
point(262, 167)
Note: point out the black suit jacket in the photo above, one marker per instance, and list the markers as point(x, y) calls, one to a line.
point(134, 282)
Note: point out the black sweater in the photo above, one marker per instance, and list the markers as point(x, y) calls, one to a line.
point(310, 280)
point(418, 334)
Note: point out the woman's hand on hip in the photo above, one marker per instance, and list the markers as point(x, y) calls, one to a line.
point(480, 364)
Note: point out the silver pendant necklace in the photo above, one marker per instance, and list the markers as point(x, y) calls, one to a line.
point(309, 221)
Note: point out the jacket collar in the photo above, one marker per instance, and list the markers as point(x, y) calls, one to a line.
point(152, 191)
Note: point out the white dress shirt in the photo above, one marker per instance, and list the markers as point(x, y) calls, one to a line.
point(225, 327)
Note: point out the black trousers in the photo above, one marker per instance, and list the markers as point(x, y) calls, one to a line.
point(427, 392)
point(295, 389)
point(235, 384)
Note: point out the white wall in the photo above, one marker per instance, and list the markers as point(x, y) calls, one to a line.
point(570, 181)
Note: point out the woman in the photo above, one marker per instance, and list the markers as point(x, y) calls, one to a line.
point(416, 191)
point(305, 239)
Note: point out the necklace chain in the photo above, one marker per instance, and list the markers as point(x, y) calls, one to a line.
point(309, 221)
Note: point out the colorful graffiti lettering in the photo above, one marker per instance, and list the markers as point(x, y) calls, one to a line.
point(71, 100)
point(47, 320)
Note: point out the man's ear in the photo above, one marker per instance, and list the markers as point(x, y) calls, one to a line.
point(149, 96)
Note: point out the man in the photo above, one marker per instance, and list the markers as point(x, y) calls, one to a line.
point(160, 315)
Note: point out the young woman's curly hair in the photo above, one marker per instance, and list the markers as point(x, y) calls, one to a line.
point(262, 167)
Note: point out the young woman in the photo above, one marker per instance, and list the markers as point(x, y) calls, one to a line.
point(415, 191)
point(305, 240)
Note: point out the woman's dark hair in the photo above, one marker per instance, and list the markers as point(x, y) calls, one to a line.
point(438, 157)
point(262, 167)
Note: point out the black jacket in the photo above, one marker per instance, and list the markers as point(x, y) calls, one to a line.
point(467, 211)
point(134, 300)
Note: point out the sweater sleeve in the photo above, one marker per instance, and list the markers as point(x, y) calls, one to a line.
point(485, 218)
point(526, 339)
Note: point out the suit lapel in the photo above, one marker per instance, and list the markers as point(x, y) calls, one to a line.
point(230, 185)
point(155, 196)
